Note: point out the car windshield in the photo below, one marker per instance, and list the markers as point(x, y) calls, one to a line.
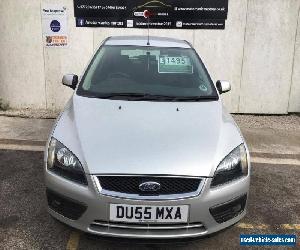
point(147, 73)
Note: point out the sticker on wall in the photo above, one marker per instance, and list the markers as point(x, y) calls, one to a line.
point(54, 21)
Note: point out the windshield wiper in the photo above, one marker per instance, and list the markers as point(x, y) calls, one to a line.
point(179, 98)
point(141, 96)
point(135, 96)
point(195, 98)
point(117, 95)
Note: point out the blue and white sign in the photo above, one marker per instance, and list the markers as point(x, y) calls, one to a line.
point(54, 19)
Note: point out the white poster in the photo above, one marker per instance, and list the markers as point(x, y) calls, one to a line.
point(54, 21)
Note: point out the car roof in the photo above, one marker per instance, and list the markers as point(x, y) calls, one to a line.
point(155, 41)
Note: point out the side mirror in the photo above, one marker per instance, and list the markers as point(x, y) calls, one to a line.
point(70, 80)
point(223, 86)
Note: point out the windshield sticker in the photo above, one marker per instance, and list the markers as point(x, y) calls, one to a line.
point(175, 65)
point(203, 88)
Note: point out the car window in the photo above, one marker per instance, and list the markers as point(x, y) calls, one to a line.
point(173, 72)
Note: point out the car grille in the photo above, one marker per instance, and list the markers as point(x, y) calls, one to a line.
point(168, 185)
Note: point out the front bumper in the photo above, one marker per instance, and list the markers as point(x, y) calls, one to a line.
point(95, 216)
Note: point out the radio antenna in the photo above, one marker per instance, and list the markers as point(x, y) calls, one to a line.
point(147, 16)
point(148, 42)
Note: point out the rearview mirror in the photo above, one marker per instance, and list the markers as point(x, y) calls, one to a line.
point(223, 86)
point(70, 80)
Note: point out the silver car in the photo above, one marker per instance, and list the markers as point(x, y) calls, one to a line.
point(144, 148)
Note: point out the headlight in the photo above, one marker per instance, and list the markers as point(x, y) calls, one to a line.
point(63, 162)
point(234, 166)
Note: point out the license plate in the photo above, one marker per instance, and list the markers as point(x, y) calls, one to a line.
point(154, 214)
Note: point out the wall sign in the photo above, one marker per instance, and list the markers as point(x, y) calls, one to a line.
point(54, 20)
point(165, 14)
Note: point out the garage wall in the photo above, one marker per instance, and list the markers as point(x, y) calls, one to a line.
point(22, 78)
point(294, 100)
point(269, 54)
point(259, 53)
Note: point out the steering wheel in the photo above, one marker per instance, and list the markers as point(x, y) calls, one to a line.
point(118, 74)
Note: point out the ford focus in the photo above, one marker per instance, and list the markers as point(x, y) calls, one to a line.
point(144, 148)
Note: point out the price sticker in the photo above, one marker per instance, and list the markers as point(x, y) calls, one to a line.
point(175, 65)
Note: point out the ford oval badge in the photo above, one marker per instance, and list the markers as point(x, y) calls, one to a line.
point(149, 186)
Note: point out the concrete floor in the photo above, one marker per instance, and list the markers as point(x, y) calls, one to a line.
point(274, 207)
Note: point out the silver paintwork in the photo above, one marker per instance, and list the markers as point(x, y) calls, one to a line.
point(144, 136)
point(142, 41)
point(147, 138)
